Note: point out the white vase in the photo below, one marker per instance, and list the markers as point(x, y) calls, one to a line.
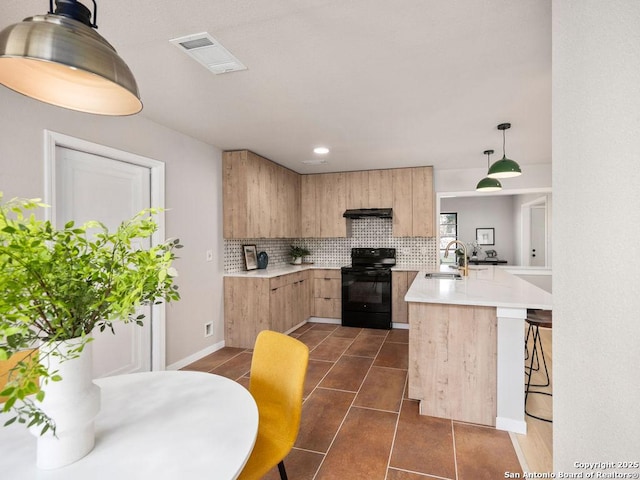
point(297, 261)
point(72, 403)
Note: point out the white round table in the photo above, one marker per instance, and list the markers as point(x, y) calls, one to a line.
point(155, 425)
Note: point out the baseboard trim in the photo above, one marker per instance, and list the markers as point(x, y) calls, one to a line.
point(400, 326)
point(196, 356)
point(511, 425)
point(332, 321)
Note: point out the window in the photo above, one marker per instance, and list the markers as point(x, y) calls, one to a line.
point(448, 232)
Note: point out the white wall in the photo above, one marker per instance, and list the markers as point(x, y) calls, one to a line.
point(485, 212)
point(596, 180)
point(193, 195)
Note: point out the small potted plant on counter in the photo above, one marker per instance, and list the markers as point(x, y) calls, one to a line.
point(297, 253)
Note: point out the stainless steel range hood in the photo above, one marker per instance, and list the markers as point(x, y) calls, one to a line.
point(368, 212)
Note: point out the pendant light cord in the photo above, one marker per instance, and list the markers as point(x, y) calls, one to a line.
point(504, 153)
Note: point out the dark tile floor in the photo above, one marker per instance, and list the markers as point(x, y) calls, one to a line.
point(357, 422)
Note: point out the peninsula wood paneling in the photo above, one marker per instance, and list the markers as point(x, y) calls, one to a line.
point(400, 283)
point(453, 361)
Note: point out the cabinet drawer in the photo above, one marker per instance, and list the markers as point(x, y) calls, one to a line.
point(327, 288)
point(287, 279)
point(327, 274)
point(327, 307)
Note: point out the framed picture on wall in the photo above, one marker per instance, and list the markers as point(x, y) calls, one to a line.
point(250, 257)
point(485, 236)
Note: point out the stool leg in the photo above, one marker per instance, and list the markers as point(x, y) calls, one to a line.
point(536, 341)
point(537, 344)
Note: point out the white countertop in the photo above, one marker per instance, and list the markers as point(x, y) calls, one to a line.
point(486, 285)
point(287, 269)
point(280, 270)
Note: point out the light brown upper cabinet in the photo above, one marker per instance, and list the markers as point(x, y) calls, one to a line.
point(260, 198)
point(309, 223)
point(323, 201)
point(380, 191)
point(357, 189)
point(331, 201)
point(413, 205)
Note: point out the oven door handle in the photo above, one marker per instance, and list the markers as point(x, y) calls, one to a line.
point(371, 274)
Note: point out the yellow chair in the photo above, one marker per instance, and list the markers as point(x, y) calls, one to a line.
point(278, 370)
point(7, 365)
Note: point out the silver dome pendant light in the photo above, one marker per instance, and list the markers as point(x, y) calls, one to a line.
point(504, 168)
point(60, 58)
point(488, 184)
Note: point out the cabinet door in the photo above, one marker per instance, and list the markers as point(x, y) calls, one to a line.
point(357, 189)
point(287, 211)
point(304, 298)
point(278, 308)
point(401, 179)
point(380, 188)
point(331, 199)
point(234, 194)
point(310, 221)
point(246, 310)
point(423, 212)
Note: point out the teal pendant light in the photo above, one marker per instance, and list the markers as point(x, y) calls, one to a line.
point(488, 184)
point(504, 168)
point(60, 59)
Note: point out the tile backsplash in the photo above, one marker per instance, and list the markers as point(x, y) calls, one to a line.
point(362, 233)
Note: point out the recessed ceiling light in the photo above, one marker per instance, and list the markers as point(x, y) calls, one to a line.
point(321, 150)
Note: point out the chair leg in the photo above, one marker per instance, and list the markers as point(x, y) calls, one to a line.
point(536, 342)
point(283, 472)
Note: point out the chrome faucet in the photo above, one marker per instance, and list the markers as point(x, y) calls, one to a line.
point(465, 268)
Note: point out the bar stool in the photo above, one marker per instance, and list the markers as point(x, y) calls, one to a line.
point(536, 319)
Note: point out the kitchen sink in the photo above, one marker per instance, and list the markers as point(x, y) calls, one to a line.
point(444, 275)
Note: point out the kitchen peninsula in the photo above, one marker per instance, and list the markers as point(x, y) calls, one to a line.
point(466, 345)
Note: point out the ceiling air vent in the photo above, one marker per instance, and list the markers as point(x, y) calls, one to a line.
point(206, 50)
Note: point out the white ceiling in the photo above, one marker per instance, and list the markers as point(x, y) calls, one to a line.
point(383, 84)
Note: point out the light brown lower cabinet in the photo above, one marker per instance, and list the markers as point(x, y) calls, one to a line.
point(400, 283)
point(255, 304)
point(327, 293)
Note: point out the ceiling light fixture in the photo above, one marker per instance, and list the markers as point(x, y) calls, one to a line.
point(321, 150)
point(504, 168)
point(60, 59)
point(488, 184)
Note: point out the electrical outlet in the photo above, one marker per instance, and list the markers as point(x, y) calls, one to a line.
point(209, 255)
point(208, 329)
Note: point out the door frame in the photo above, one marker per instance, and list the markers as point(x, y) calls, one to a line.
point(525, 209)
point(54, 139)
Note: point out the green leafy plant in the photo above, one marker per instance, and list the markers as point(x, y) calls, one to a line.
point(60, 284)
point(298, 252)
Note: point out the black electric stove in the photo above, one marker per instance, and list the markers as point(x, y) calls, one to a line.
point(366, 288)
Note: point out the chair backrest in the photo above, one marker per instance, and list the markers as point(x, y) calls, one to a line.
point(7, 365)
point(278, 370)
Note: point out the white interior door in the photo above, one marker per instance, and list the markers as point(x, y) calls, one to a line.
point(538, 232)
point(93, 187)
